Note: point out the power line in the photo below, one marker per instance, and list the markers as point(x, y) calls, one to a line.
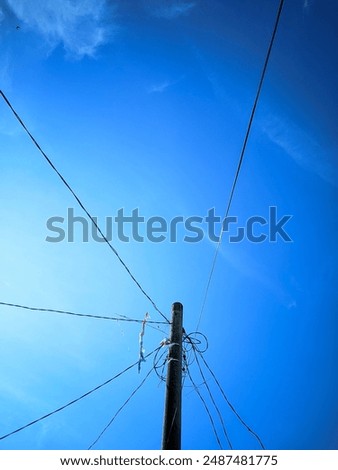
point(76, 399)
point(65, 312)
point(196, 345)
point(120, 409)
point(206, 409)
point(213, 400)
point(230, 405)
point(252, 115)
point(81, 205)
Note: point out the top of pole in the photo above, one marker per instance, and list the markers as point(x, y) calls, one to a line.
point(177, 306)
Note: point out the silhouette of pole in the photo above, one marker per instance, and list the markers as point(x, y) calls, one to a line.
point(171, 437)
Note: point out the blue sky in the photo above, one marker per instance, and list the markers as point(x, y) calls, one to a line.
point(144, 104)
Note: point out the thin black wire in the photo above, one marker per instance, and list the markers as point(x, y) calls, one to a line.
point(65, 312)
point(230, 405)
point(193, 340)
point(120, 409)
point(253, 111)
point(206, 409)
point(196, 344)
point(75, 400)
point(81, 205)
point(213, 400)
point(160, 361)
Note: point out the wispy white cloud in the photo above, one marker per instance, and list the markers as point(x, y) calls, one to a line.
point(301, 147)
point(169, 9)
point(252, 268)
point(159, 87)
point(79, 25)
point(291, 305)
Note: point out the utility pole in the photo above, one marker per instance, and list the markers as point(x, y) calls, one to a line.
point(171, 438)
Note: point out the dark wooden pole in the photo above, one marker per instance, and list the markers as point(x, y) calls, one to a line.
point(171, 438)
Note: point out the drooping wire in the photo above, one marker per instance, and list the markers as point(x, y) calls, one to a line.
point(233, 409)
point(121, 408)
point(213, 400)
point(246, 138)
point(206, 409)
point(197, 343)
point(80, 203)
point(194, 343)
point(187, 346)
point(72, 402)
point(191, 340)
point(120, 318)
point(195, 340)
point(160, 361)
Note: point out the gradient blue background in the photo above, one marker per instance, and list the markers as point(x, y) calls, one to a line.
point(145, 104)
